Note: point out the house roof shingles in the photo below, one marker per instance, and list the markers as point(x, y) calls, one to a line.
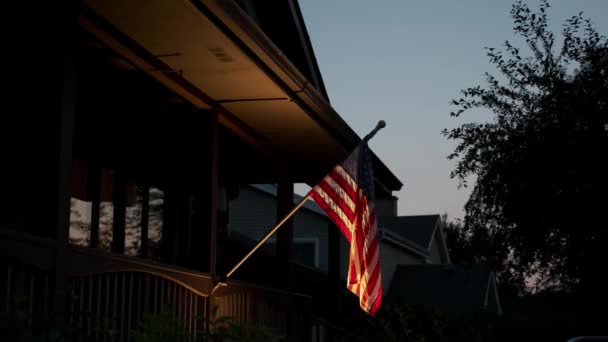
point(454, 289)
point(418, 229)
point(271, 189)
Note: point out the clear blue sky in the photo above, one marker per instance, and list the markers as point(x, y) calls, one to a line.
point(403, 61)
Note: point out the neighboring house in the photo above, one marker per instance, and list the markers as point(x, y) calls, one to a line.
point(411, 240)
point(453, 289)
point(253, 212)
point(414, 258)
point(423, 235)
point(404, 239)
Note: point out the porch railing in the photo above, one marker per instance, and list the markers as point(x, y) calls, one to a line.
point(111, 306)
point(284, 313)
point(110, 294)
point(25, 265)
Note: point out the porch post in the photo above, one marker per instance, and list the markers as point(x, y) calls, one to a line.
point(285, 241)
point(333, 274)
point(94, 187)
point(145, 217)
point(334, 255)
point(285, 234)
point(66, 118)
point(213, 185)
point(119, 199)
point(213, 193)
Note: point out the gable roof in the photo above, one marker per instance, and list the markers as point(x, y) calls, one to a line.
point(454, 289)
point(418, 229)
point(271, 189)
point(283, 23)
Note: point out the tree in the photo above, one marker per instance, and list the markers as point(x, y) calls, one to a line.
point(459, 242)
point(541, 162)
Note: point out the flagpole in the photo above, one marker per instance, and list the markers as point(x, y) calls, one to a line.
point(381, 124)
point(269, 234)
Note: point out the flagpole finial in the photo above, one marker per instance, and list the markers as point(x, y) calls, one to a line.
point(381, 124)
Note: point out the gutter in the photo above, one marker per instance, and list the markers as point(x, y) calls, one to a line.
point(228, 17)
point(393, 238)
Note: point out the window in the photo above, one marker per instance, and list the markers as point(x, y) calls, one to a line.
point(80, 205)
point(92, 214)
point(305, 251)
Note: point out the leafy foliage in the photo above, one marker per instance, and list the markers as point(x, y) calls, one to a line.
point(459, 242)
point(400, 322)
point(20, 324)
point(163, 327)
point(540, 163)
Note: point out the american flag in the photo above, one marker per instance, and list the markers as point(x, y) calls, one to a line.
point(346, 194)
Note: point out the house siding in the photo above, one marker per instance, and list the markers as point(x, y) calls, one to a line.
point(386, 206)
point(253, 213)
point(390, 257)
point(435, 255)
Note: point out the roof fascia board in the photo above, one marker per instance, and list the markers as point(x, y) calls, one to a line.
point(236, 24)
point(245, 33)
point(496, 294)
point(433, 236)
point(403, 243)
point(307, 46)
point(442, 243)
point(492, 284)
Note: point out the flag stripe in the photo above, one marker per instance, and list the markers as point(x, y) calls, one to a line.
point(333, 211)
point(350, 181)
point(344, 184)
point(372, 291)
point(338, 199)
point(346, 194)
point(341, 187)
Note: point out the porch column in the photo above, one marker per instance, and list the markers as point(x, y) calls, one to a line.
point(333, 253)
point(333, 275)
point(285, 234)
point(69, 25)
point(214, 151)
point(198, 199)
point(284, 272)
point(119, 199)
point(211, 184)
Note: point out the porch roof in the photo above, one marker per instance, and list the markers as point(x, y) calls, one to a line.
point(212, 54)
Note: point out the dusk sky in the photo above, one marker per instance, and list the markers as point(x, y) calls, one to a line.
point(403, 61)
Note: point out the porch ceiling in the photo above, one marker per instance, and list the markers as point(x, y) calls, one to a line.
point(190, 44)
